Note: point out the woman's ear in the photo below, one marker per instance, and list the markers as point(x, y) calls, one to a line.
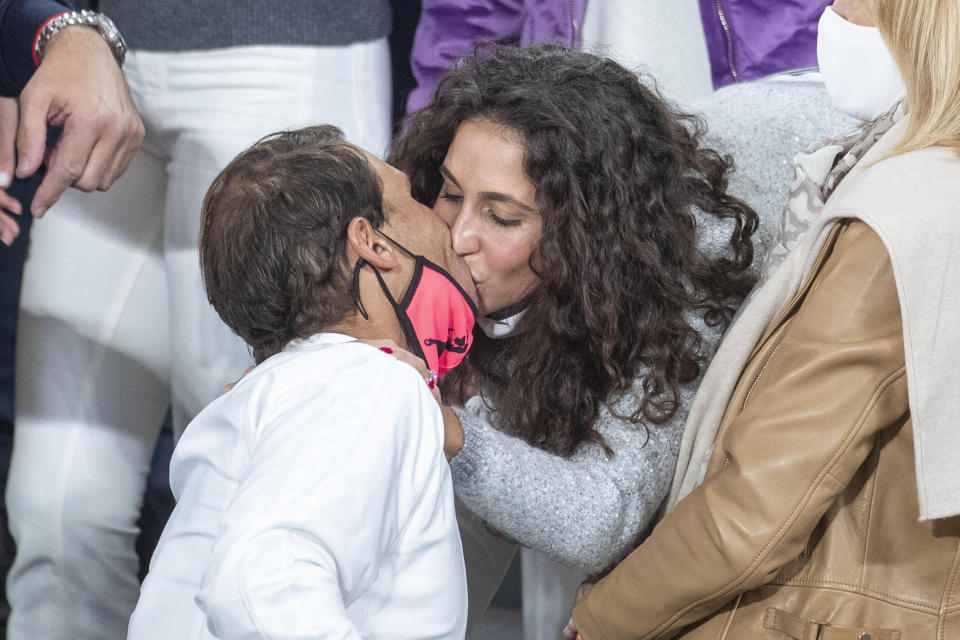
point(363, 241)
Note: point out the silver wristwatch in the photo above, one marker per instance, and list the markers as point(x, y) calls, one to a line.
point(100, 22)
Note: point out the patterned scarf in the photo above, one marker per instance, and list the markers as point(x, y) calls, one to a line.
point(818, 173)
point(819, 170)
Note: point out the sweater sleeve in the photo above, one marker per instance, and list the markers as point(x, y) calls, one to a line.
point(20, 21)
point(584, 511)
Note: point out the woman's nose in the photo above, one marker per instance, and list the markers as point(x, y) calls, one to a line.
point(464, 233)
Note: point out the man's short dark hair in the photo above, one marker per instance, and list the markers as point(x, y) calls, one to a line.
point(273, 235)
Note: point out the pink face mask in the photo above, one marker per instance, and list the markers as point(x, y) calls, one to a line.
point(436, 315)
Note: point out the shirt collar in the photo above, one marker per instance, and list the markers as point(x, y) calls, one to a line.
point(318, 339)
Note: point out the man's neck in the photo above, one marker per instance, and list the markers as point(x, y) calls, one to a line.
point(368, 329)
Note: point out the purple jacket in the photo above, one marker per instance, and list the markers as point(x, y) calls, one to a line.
point(750, 39)
point(449, 29)
point(746, 39)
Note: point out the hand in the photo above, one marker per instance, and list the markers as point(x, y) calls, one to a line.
point(570, 631)
point(392, 348)
point(9, 116)
point(452, 429)
point(80, 87)
point(452, 433)
point(231, 385)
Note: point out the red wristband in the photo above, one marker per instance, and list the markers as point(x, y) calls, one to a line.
point(33, 48)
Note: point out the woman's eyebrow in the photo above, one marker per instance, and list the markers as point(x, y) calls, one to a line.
point(502, 197)
point(449, 176)
point(490, 195)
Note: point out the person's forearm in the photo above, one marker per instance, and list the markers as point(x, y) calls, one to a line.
point(452, 432)
point(20, 22)
point(584, 511)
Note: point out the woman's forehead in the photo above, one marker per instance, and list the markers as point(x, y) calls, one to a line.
point(485, 156)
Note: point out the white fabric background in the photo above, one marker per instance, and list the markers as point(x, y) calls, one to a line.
point(115, 324)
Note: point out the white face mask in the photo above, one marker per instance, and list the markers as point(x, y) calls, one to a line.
point(857, 69)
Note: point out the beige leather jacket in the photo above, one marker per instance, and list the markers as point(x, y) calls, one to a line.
point(806, 525)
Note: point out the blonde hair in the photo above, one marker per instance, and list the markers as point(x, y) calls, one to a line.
point(924, 39)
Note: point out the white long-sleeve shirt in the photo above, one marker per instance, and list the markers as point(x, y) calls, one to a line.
point(313, 501)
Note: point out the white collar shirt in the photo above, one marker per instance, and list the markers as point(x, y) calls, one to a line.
point(313, 501)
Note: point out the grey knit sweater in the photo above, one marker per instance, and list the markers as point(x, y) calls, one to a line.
point(586, 511)
point(182, 25)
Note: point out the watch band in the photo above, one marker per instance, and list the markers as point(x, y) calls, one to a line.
point(98, 21)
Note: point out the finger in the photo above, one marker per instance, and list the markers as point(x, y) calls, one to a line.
point(67, 164)
point(231, 385)
point(112, 155)
point(98, 167)
point(408, 358)
point(9, 117)
point(381, 344)
point(401, 354)
point(31, 132)
point(9, 229)
point(120, 165)
point(127, 150)
point(10, 203)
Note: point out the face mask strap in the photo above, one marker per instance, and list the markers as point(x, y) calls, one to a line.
point(421, 261)
point(400, 308)
point(355, 288)
point(397, 244)
point(511, 309)
point(355, 281)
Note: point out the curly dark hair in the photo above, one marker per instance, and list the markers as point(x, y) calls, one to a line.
point(618, 175)
point(273, 235)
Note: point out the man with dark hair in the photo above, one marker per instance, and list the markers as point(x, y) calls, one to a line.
point(314, 499)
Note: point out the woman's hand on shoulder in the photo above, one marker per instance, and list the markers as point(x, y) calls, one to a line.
point(453, 430)
point(391, 348)
point(231, 385)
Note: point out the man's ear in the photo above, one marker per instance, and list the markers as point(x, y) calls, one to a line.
point(363, 241)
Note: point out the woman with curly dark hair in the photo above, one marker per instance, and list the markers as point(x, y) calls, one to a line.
point(608, 259)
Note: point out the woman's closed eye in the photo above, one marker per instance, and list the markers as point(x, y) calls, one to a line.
point(450, 197)
point(447, 195)
point(503, 222)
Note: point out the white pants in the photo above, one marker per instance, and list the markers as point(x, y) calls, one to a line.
point(664, 39)
point(115, 324)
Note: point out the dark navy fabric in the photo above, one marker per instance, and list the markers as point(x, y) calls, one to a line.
point(11, 272)
point(19, 22)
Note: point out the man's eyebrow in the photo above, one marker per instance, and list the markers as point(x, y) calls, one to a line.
point(490, 195)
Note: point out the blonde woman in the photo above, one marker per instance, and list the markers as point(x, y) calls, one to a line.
point(818, 490)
